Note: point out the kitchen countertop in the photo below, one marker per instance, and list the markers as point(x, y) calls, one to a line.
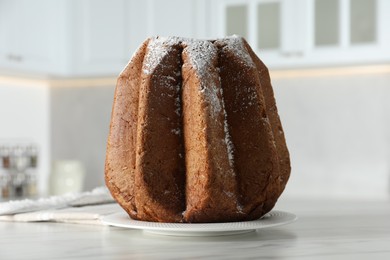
point(324, 230)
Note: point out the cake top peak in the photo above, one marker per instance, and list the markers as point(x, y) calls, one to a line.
point(157, 47)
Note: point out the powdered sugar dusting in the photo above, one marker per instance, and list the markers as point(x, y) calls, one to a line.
point(211, 94)
point(169, 80)
point(229, 194)
point(229, 143)
point(157, 49)
point(203, 56)
point(176, 131)
point(239, 208)
point(236, 44)
point(228, 138)
point(178, 104)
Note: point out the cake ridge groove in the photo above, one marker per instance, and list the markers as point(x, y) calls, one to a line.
point(159, 91)
point(228, 139)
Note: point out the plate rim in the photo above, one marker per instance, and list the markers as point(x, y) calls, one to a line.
point(271, 219)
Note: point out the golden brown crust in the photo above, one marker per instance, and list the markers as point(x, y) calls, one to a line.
point(160, 173)
point(195, 135)
point(211, 187)
point(255, 157)
point(277, 129)
point(121, 144)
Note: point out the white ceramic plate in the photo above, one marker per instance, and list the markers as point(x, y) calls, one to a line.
point(271, 219)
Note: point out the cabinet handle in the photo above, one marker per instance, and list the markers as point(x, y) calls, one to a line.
point(291, 54)
point(16, 58)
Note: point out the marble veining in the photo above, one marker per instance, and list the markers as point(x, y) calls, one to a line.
point(324, 230)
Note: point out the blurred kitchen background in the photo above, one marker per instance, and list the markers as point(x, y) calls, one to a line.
point(329, 61)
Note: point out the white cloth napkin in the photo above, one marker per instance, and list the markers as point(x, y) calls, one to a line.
point(81, 208)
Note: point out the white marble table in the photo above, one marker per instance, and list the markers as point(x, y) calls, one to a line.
point(324, 230)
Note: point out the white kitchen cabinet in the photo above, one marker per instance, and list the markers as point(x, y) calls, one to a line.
point(62, 38)
point(359, 34)
point(272, 27)
point(89, 37)
point(184, 18)
point(71, 38)
point(30, 38)
point(305, 33)
point(97, 33)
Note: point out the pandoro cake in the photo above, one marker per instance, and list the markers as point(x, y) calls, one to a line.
point(195, 135)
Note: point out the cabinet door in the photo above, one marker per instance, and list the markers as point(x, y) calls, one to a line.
point(280, 31)
point(106, 33)
point(98, 37)
point(272, 27)
point(29, 38)
point(348, 32)
point(236, 17)
point(174, 18)
point(345, 22)
point(303, 33)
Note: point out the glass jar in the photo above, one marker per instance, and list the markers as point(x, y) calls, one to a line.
point(66, 176)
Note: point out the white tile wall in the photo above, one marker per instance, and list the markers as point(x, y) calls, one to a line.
point(337, 131)
point(24, 118)
point(80, 121)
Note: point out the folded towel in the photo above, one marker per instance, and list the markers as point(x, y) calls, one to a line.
point(82, 208)
point(76, 215)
